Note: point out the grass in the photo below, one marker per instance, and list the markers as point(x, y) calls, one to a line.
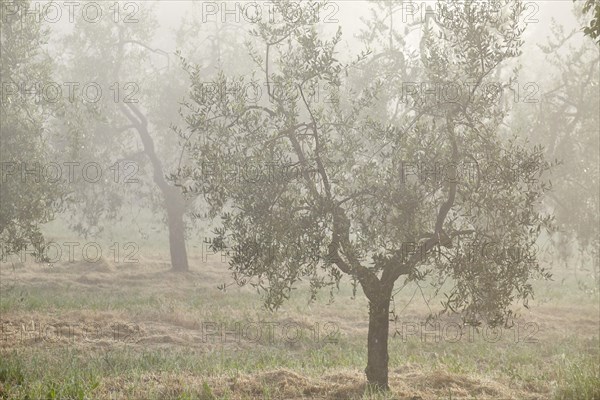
point(171, 356)
point(76, 373)
point(579, 379)
point(49, 370)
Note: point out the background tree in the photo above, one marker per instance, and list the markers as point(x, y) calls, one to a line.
point(391, 58)
point(349, 209)
point(123, 63)
point(130, 127)
point(27, 198)
point(567, 123)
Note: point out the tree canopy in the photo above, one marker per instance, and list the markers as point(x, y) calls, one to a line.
point(350, 206)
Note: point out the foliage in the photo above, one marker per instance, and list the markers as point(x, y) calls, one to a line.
point(348, 208)
point(28, 197)
point(593, 29)
point(96, 130)
point(567, 122)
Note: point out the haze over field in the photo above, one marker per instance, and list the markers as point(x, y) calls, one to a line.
point(300, 199)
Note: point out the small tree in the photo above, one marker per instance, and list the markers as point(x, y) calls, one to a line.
point(349, 207)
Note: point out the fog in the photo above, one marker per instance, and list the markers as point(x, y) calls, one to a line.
point(300, 199)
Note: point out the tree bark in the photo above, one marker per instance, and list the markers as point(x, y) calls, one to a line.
point(175, 211)
point(377, 346)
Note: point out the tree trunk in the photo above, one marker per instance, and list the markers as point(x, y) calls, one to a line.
point(174, 202)
point(377, 347)
point(175, 211)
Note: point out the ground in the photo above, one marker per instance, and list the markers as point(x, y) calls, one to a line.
point(111, 330)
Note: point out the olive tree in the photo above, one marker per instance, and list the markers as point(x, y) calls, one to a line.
point(118, 129)
point(142, 85)
point(26, 199)
point(349, 207)
point(567, 122)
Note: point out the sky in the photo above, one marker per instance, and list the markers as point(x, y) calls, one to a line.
point(349, 14)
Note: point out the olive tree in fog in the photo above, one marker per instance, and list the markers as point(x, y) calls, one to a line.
point(129, 129)
point(120, 133)
point(26, 200)
point(567, 122)
point(333, 196)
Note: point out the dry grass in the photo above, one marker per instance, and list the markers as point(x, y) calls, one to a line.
point(137, 331)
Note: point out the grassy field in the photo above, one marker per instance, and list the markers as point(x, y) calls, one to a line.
point(116, 330)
